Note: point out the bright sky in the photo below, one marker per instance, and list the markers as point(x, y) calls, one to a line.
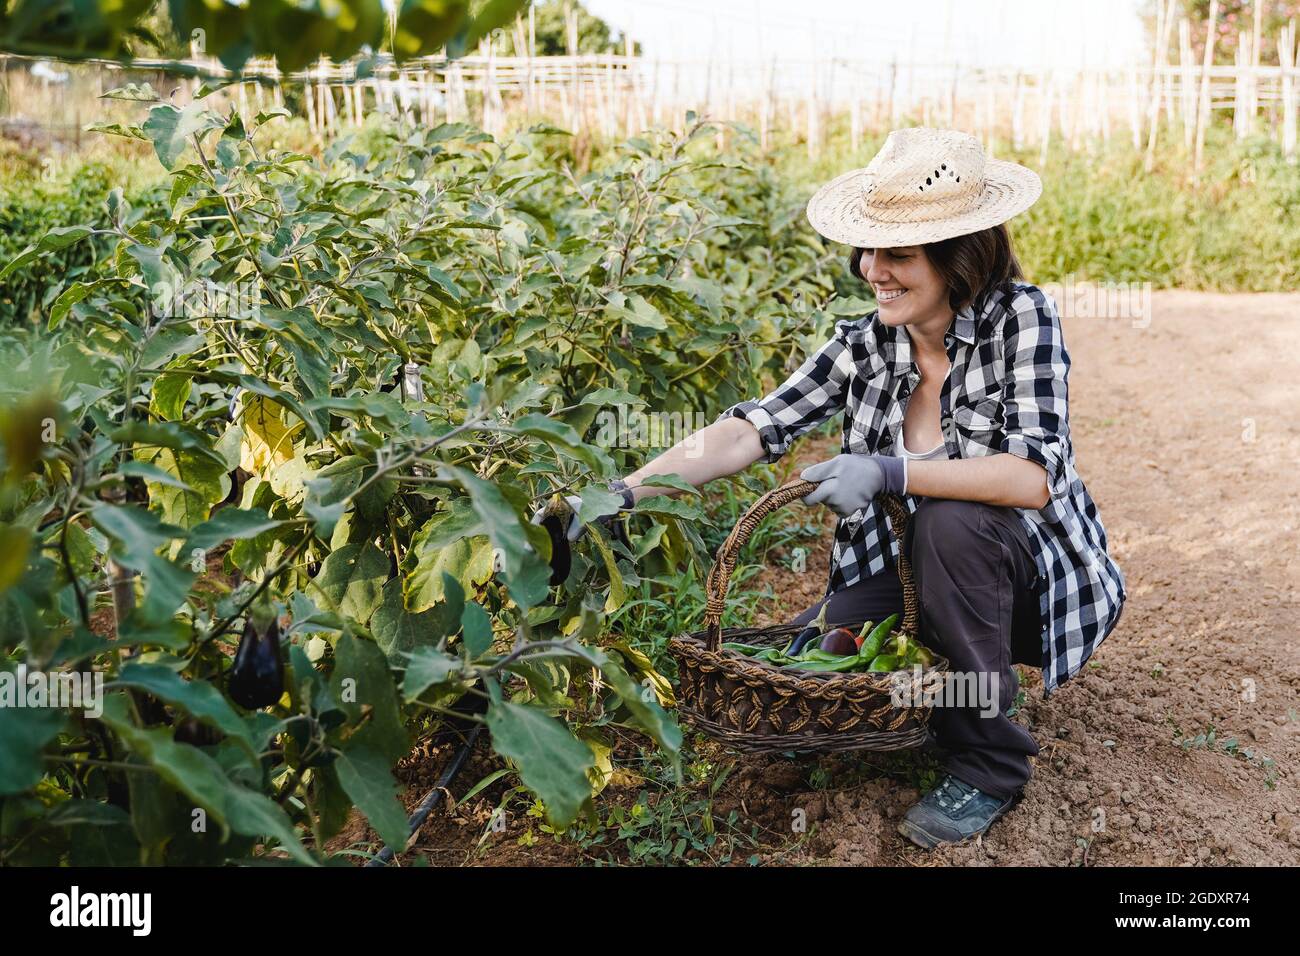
point(1027, 33)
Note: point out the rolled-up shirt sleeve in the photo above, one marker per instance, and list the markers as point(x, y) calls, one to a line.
point(813, 393)
point(1035, 391)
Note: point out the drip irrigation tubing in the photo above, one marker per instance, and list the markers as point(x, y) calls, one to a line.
point(449, 773)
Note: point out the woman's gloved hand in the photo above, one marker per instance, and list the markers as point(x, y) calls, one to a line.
point(573, 531)
point(848, 483)
point(575, 527)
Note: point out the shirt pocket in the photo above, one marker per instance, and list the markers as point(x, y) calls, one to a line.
point(864, 430)
point(977, 425)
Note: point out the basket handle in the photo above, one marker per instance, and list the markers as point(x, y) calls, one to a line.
point(725, 562)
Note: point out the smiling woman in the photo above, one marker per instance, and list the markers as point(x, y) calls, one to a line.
point(965, 359)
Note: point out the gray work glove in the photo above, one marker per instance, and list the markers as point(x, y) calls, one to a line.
point(848, 483)
point(574, 531)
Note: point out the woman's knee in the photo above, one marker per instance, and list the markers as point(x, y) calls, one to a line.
point(942, 521)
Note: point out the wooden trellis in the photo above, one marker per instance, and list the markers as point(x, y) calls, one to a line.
point(619, 94)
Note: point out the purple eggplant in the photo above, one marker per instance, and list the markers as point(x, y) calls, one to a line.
point(257, 678)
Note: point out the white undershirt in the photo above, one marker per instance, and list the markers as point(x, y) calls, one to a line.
point(939, 451)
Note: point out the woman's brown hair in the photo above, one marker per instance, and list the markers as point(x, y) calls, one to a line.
point(972, 265)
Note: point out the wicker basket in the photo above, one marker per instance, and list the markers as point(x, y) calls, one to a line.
point(757, 707)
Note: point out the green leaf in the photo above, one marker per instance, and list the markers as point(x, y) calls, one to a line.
point(173, 435)
point(362, 679)
point(24, 734)
point(201, 778)
point(170, 129)
point(612, 396)
point(670, 480)
point(62, 237)
point(26, 257)
point(428, 666)
point(328, 494)
point(367, 778)
point(398, 630)
point(67, 299)
point(477, 626)
point(201, 483)
point(527, 574)
point(663, 505)
point(469, 562)
point(598, 501)
point(197, 698)
point(231, 524)
point(152, 473)
point(171, 390)
point(137, 535)
point(564, 437)
point(351, 580)
point(552, 762)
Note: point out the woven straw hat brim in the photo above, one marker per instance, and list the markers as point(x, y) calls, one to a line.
point(836, 209)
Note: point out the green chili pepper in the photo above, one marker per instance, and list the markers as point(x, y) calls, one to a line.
point(883, 663)
point(838, 665)
point(772, 655)
point(749, 650)
point(816, 654)
point(871, 645)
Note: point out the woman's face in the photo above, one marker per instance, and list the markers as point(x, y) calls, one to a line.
point(908, 288)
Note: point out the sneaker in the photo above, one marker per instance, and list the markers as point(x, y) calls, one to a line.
point(952, 812)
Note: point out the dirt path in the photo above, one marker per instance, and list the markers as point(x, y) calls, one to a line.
point(1185, 432)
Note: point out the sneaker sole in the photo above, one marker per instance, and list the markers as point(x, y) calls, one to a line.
point(928, 841)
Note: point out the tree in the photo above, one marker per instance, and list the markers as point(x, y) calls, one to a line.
point(295, 32)
point(1235, 17)
point(551, 33)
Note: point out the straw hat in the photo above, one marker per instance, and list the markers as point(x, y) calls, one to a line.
point(924, 185)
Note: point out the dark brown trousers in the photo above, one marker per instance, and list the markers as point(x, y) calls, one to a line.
point(978, 586)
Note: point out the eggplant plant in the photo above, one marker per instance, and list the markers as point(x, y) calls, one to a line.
point(333, 388)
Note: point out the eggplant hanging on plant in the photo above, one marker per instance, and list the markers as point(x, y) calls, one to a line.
point(257, 678)
point(556, 522)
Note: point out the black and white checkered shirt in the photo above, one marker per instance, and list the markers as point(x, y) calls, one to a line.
point(1005, 392)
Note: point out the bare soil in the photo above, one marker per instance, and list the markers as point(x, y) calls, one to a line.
point(1185, 432)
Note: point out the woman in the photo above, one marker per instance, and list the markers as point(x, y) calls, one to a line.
point(955, 397)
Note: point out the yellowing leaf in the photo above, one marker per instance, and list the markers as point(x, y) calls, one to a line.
point(603, 771)
point(640, 663)
point(203, 482)
point(15, 543)
point(269, 431)
point(617, 593)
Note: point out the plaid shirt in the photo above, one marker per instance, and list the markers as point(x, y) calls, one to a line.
point(1005, 392)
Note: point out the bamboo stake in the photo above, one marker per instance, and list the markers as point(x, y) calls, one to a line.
point(1286, 58)
point(1018, 114)
point(765, 114)
point(1256, 42)
point(1045, 117)
point(1203, 101)
point(1103, 84)
point(1186, 104)
point(1240, 92)
point(309, 97)
point(1161, 58)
